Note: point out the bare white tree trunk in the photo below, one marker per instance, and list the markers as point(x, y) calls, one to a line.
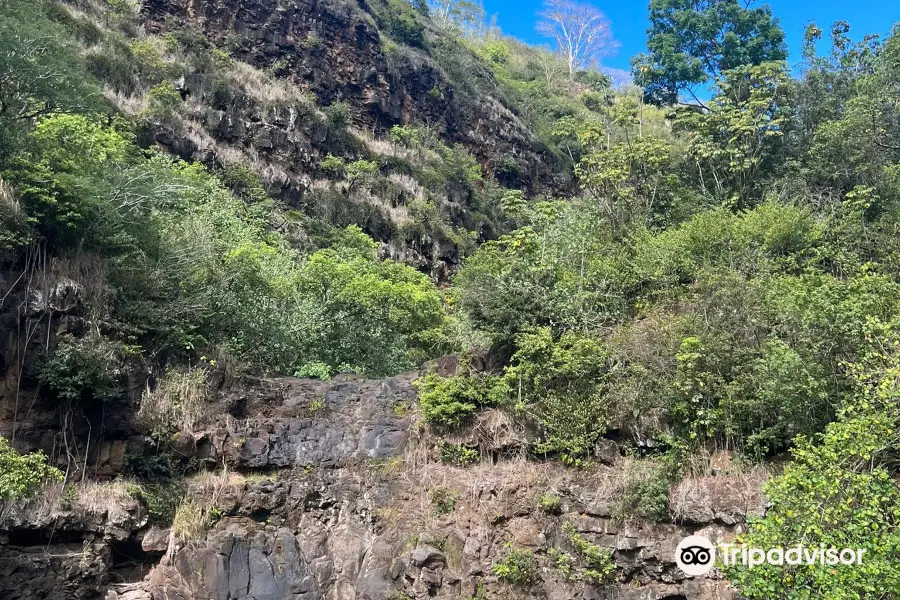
point(583, 34)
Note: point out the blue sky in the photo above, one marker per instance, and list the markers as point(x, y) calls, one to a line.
point(629, 20)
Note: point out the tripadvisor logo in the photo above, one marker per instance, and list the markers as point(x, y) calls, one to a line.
point(696, 555)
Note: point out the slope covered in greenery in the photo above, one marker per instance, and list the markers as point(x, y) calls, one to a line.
point(695, 277)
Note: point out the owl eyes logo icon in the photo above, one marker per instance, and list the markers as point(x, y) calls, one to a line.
point(695, 555)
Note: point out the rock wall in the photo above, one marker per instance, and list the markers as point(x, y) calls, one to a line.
point(337, 502)
point(334, 49)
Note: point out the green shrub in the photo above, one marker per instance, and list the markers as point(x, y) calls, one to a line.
point(164, 102)
point(62, 180)
point(243, 182)
point(443, 501)
point(338, 116)
point(159, 463)
point(403, 24)
point(518, 567)
point(86, 368)
point(361, 173)
point(563, 380)
point(314, 370)
point(839, 491)
point(406, 135)
point(457, 454)
point(549, 502)
point(23, 476)
point(149, 64)
point(334, 166)
point(562, 561)
point(68, 497)
point(382, 312)
point(496, 51)
point(646, 496)
point(112, 62)
point(449, 401)
point(41, 67)
point(159, 499)
point(596, 562)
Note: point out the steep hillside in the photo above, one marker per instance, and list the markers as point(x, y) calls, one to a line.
point(315, 299)
point(280, 87)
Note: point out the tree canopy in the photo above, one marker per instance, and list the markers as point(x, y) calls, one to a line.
point(691, 42)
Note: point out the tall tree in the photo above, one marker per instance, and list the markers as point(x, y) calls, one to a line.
point(694, 41)
point(583, 34)
point(467, 15)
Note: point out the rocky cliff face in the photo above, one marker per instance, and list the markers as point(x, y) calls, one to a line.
point(282, 63)
point(332, 491)
point(334, 49)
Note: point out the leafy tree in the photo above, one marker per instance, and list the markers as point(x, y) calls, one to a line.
point(70, 180)
point(364, 304)
point(854, 143)
point(41, 70)
point(631, 181)
point(692, 41)
point(740, 136)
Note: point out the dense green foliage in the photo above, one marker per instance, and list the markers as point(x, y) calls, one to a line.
point(23, 476)
point(692, 278)
point(41, 71)
point(518, 567)
point(726, 284)
point(177, 263)
point(735, 320)
point(191, 266)
point(691, 41)
point(839, 493)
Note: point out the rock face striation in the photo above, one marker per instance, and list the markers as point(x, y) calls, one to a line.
point(335, 50)
point(333, 491)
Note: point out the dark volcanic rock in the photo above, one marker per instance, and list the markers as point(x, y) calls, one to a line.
point(302, 423)
point(334, 49)
point(343, 510)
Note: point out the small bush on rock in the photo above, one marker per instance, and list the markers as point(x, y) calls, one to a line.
point(84, 369)
point(646, 496)
point(443, 500)
point(446, 401)
point(596, 562)
point(549, 502)
point(403, 25)
point(457, 454)
point(23, 476)
point(450, 401)
point(518, 567)
point(164, 102)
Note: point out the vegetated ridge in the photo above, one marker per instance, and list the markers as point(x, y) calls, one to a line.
point(367, 300)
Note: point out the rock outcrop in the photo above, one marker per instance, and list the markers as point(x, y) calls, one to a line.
point(335, 50)
point(342, 498)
